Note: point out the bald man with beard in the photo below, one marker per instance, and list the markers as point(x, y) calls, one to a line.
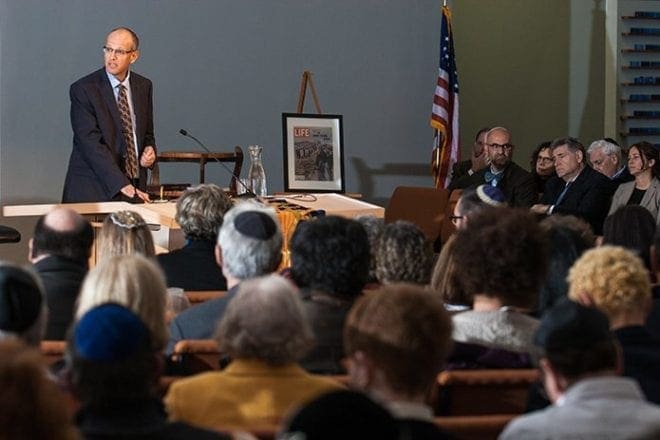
point(517, 184)
point(59, 251)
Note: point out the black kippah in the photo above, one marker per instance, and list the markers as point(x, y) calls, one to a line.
point(255, 224)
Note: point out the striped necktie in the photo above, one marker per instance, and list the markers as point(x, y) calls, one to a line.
point(131, 165)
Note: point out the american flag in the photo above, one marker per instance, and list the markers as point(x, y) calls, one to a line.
point(444, 116)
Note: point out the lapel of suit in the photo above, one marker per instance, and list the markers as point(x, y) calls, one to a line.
point(109, 98)
point(648, 200)
point(138, 107)
point(575, 187)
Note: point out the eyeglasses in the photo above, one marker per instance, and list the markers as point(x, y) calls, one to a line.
point(503, 147)
point(455, 219)
point(119, 52)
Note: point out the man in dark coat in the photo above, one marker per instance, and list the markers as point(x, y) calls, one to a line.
point(578, 189)
point(111, 153)
point(516, 183)
point(59, 251)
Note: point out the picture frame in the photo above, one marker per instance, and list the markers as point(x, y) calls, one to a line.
point(313, 153)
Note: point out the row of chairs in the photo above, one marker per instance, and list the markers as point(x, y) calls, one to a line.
point(470, 404)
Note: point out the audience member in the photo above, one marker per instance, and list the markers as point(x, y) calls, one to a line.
point(345, 415)
point(249, 245)
point(265, 332)
point(403, 254)
point(632, 227)
point(397, 340)
point(579, 366)
point(113, 370)
point(478, 159)
point(577, 190)
point(22, 305)
point(374, 227)
point(606, 158)
point(575, 224)
point(565, 247)
point(644, 165)
point(502, 255)
point(475, 200)
point(615, 281)
point(454, 298)
point(199, 212)
point(330, 264)
point(31, 407)
point(516, 183)
point(60, 250)
point(134, 282)
point(125, 232)
point(542, 166)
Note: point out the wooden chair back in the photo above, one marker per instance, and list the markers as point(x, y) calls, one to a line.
point(474, 427)
point(200, 296)
point(483, 392)
point(448, 227)
point(197, 355)
point(201, 158)
point(423, 206)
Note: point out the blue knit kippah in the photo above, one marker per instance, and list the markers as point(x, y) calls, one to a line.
point(109, 333)
point(491, 195)
point(255, 224)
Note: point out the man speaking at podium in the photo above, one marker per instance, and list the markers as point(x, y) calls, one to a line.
point(113, 130)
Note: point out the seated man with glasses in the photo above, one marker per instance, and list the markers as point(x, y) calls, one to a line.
point(516, 183)
point(113, 130)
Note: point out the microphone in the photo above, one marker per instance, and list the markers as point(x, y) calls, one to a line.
point(249, 193)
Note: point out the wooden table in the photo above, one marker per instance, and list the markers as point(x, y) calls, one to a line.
point(170, 236)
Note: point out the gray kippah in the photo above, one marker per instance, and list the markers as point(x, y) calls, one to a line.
point(255, 224)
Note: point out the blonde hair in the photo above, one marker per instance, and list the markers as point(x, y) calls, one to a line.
point(134, 282)
point(125, 232)
point(613, 277)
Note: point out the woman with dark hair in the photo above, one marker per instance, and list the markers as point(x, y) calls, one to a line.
point(644, 165)
point(633, 228)
point(566, 246)
point(542, 166)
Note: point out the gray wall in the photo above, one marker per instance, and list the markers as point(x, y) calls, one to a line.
point(226, 70)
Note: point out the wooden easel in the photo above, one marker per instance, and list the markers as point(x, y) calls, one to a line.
point(304, 81)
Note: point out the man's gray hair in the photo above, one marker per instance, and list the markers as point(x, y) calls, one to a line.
point(265, 320)
point(608, 148)
point(244, 256)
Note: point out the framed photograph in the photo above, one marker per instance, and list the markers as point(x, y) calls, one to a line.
point(313, 153)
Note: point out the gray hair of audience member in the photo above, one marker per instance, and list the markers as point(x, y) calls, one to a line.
point(265, 321)
point(23, 305)
point(608, 148)
point(134, 282)
point(403, 254)
point(374, 227)
point(125, 232)
point(246, 256)
point(200, 210)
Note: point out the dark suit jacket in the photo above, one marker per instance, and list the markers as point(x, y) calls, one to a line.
point(460, 169)
point(200, 321)
point(588, 197)
point(517, 184)
point(193, 267)
point(96, 164)
point(641, 359)
point(62, 279)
